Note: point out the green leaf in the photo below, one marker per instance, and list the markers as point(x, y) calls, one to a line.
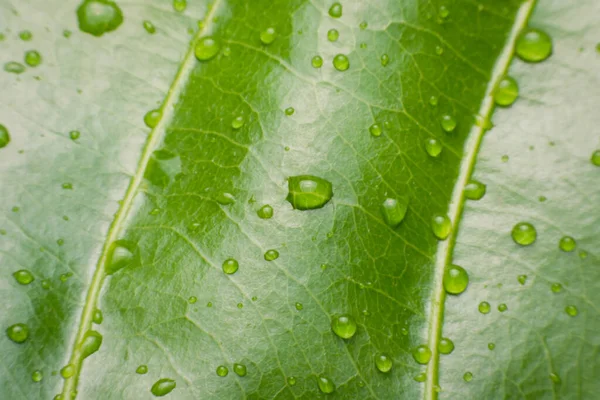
point(142, 261)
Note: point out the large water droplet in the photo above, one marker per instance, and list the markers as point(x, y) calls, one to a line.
point(474, 190)
point(265, 212)
point(567, 244)
point(206, 48)
point(383, 362)
point(162, 387)
point(18, 333)
point(335, 10)
point(91, 343)
point(433, 147)
point(394, 211)
point(121, 254)
point(344, 326)
point(333, 35)
point(446, 346)
point(33, 58)
point(14, 67)
point(97, 17)
point(571, 310)
point(222, 371)
point(595, 159)
point(4, 136)
point(268, 35)
point(533, 45)
point(422, 354)
point(142, 369)
point(326, 385)
point(484, 307)
point(441, 226)
point(163, 167)
point(307, 192)
point(456, 279)
point(506, 92)
point(341, 62)
point(67, 371)
point(23, 277)
point(240, 369)
point(152, 118)
point(524, 233)
point(448, 123)
point(230, 266)
point(271, 255)
point(37, 376)
point(375, 130)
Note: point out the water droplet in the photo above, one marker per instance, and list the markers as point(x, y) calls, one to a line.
point(422, 354)
point(37, 376)
point(271, 255)
point(448, 123)
point(484, 307)
point(491, 346)
point(240, 369)
point(307, 192)
point(375, 130)
point(179, 5)
point(162, 387)
point(289, 111)
point(363, 25)
point(4, 136)
point(583, 254)
point(506, 92)
point(441, 226)
point(433, 101)
point(333, 35)
point(90, 344)
point(206, 48)
point(502, 307)
point(26, 36)
point(522, 279)
point(67, 186)
point(120, 255)
point(383, 362)
point(268, 35)
point(23, 276)
point(474, 190)
point(67, 371)
point(67, 33)
point(58, 397)
point(265, 212)
point(533, 45)
point(98, 17)
point(341, 62)
point(335, 11)
point(225, 199)
point(394, 211)
point(554, 377)
point(299, 306)
point(317, 62)
point(237, 122)
point(152, 118)
point(97, 316)
point(33, 58)
point(149, 27)
point(385, 60)
point(142, 369)
point(433, 147)
point(14, 67)
point(45, 284)
point(524, 233)
point(74, 135)
point(439, 50)
point(456, 279)
point(230, 266)
point(192, 299)
point(468, 376)
point(443, 12)
point(595, 158)
point(571, 310)
point(567, 244)
point(18, 333)
point(291, 381)
point(420, 377)
point(344, 326)
point(222, 371)
point(325, 384)
point(556, 287)
point(446, 346)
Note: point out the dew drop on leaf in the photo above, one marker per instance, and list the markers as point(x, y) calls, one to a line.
point(344, 326)
point(522, 279)
point(271, 255)
point(554, 377)
point(456, 279)
point(240, 369)
point(299, 306)
point(289, 111)
point(307, 192)
point(595, 159)
point(291, 381)
point(533, 45)
point(433, 101)
point(230, 266)
point(33, 58)
point(222, 371)
point(524, 233)
point(567, 244)
point(502, 307)
point(468, 376)
point(433, 147)
point(265, 212)
point(393, 211)
point(422, 354)
point(375, 130)
point(179, 5)
point(37, 376)
point(443, 12)
point(448, 123)
point(23, 277)
point(475, 190)
point(317, 62)
point(445, 346)
point(142, 369)
point(268, 36)
point(4, 136)
point(383, 362)
point(45, 284)
point(192, 299)
point(225, 199)
point(98, 17)
point(341, 62)
point(90, 344)
point(149, 27)
point(335, 11)
point(333, 35)
point(206, 48)
point(25, 36)
point(506, 92)
point(385, 60)
point(152, 118)
point(120, 255)
point(74, 135)
point(18, 333)
point(162, 387)
point(67, 371)
point(441, 226)
point(420, 377)
point(484, 307)
point(97, 316)
point(14, 67)
point(237, 122)
point(325, 384)
point(491, 346)
point(571, 310)
point(439, 50)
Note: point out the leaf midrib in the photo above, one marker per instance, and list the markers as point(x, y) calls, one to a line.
point(456, 206)
point(154, 138)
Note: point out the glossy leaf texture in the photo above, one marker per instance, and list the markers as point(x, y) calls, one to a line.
point(158, 270)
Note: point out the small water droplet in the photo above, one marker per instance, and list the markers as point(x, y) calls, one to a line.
point(502, 307)
point(18, 333)
point(98, 17)
point(344, 326)
point(149, 27)
point(445, 346)
point(475, 190)
point(225, 199)
point(556, 287)
point(522, 279)
point(97, 316)
point(240, 369)
point(317, 62)
point(90, 344)
point(567, 244)
point(152, 118)
point(162, 387)
point(120, 255)
point(209, 304)
point(271, 255)
point(179, 5)
point(595, 159)
point(299, 306)
point(504, 158)
point(333, 35)
point(456, 279)
point(524, 233)
point(341, 62)
point(4, 136)
point(394, 211)
point(67, 186)
point(222, 371)
point(335, 11)
point(439, 50)
point(45, 284)
point(142, 369)
point(441, 226)
point(237, 122)
point(230, 266)
point(443, 12)
point(433, 147)
point(491, 346)
point(192, 299)
point(506, 92)
point(422, 354)
point(383, 362)
point(307, 192)
point(37, 376)
point(484, 307)
point(385, 60)
point(23, 276)
point(33, 58)
point(325, 384)
point(74, 135)
point(448, 123)
point(571, 310)
point(468, 376)
point(206, 48)
point(433, 101)
point(363, 25)
point(554, 377)
point(289, 111)
point(420, 377)
point(14, 67)
point(26, 36)
point(67, 33)
point(291, 381)
point(268, 36)
point(67, 371)
point(533, 45)
point(265, 212)
point(583, 254)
